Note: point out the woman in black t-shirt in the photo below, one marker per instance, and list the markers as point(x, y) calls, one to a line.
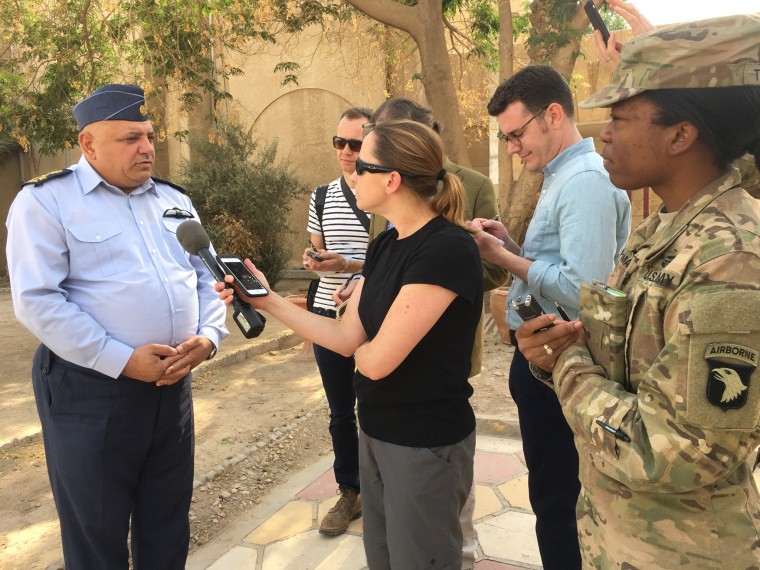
point(411, 326)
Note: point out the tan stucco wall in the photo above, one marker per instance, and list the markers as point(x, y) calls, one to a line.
point(301, 118)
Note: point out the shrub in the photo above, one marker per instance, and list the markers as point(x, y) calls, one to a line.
point(242, 195)
point(8, 146)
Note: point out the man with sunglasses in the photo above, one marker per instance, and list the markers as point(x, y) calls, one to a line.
point(338, 231)
point(578, 228)
point(123, 315)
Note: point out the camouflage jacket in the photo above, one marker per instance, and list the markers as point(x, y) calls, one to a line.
point(679, 492)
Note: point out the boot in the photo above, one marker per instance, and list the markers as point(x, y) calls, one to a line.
point(348, 508)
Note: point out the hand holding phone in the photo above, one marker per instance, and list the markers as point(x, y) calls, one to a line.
point(529, 309)
point(314, 253)
point(244, 279)
point(596, 19)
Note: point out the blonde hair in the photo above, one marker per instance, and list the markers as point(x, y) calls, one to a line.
point(415, 148)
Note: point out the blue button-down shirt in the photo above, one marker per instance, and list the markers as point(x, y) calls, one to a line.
point(578, 229)
point(96, 272)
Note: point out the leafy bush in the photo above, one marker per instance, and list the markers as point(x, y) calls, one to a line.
point(8, 146)
point(242, 195)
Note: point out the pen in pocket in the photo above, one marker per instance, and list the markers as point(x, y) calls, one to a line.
point(561, 311)
point(616, 432)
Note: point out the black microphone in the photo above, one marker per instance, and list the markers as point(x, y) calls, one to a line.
point(195, 241)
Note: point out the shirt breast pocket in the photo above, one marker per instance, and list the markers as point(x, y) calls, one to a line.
point(171, 225)
point(169, 236)
point(97, 250)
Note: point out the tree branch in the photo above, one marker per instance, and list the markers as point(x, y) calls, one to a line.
point(391, 13)
point(88, 43)
point(457, 33)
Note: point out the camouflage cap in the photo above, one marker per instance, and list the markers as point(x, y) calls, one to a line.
point(719, 52)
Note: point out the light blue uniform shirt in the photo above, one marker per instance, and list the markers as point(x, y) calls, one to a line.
point(96, 272)
point(577, 231)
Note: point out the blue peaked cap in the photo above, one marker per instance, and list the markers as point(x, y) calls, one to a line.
point(112, 102)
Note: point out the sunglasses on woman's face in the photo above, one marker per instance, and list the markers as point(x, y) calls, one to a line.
point(340, 143)
point(362, 167)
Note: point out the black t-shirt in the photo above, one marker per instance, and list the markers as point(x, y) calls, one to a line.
point(424, 402)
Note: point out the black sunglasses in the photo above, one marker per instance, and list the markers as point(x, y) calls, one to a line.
point(362, 167)
point(340, 143)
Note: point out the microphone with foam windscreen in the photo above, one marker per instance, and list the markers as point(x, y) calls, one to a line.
point(194, 240)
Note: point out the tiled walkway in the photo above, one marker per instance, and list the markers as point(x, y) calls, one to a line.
point(282, 534)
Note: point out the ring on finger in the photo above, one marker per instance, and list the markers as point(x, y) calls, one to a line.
point(548, 349)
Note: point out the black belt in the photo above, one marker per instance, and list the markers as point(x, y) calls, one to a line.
point(330, 313)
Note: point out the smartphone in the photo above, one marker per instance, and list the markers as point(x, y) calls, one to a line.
point(243, 277)
point(315, 256)
point(596, 19)
point(529, 309)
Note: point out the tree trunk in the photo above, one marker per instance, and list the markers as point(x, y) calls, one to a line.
point(424, 23)
point(506, 69)
point(523, 195)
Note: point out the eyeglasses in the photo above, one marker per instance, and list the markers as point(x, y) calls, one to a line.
point(362, 167)
point(354, 144)
point(178, 213)
point(514, 136)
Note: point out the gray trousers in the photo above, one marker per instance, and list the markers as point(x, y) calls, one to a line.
point(469, 534)
point(411, 501)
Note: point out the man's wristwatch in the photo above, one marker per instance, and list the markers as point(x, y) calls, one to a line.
point(540, 373)
point(213, 351)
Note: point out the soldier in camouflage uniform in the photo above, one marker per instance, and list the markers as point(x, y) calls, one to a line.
point(750, 174)
point(664, 448)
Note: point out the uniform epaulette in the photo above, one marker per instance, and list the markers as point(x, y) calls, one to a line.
point(40, 180)
point(172, 184)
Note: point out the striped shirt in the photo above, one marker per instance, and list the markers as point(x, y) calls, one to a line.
point(342, 232)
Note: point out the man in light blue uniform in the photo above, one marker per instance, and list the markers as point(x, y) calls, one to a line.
point(123, 315)
point(579, 226)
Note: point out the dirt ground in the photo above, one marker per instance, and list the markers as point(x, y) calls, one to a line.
point(268, 411)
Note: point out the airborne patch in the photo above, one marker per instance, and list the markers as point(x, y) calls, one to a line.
point(730, 367)
point(40, 180)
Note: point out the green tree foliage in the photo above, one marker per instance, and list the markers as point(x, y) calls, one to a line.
point(53, 53)
point(48, 52)
point(612, 21)
point(242, 195)
point(550, 28)
point(480, 19)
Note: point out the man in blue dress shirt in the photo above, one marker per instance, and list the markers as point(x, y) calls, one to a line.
point(123, 314)
point(579, 226)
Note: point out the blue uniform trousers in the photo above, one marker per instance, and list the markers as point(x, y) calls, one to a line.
point(116, 449)
point(552, 461)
